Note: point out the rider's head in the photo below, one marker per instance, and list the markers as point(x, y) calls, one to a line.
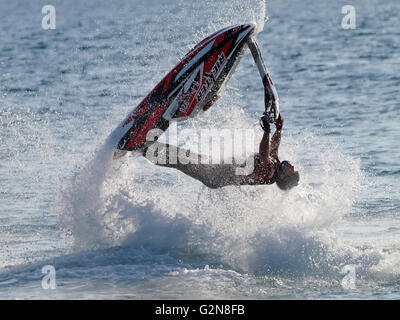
point(287, 177)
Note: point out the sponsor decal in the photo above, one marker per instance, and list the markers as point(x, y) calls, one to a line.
point(186, 95)
point(210, 77)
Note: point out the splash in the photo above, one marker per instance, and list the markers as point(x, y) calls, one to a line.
point(250, 229)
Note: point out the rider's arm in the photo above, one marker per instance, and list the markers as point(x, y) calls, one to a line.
point(264, 144)
point(276, 138)
point(275, 142)
point(264, 149)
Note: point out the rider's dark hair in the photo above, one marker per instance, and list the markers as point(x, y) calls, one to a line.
point(286, 182)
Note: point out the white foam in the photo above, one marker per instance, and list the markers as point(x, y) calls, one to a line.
point(252, 229)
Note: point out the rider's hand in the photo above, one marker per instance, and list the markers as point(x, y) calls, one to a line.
point(279, 123)
point(264, 122)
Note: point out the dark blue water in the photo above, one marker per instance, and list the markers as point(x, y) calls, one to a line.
point(130, 230)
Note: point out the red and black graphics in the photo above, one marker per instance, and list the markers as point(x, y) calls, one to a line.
point(190, 88)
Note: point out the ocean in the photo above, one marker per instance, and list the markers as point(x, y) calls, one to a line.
point(76, 225)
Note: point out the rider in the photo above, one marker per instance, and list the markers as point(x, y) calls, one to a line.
point(267, 167)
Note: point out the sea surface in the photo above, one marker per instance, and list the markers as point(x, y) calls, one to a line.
point(129, 230)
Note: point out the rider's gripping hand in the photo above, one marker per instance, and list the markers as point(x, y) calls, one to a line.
point(264, 122)
point(279, 123)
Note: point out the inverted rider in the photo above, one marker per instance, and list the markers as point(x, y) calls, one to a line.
point(268, 169)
